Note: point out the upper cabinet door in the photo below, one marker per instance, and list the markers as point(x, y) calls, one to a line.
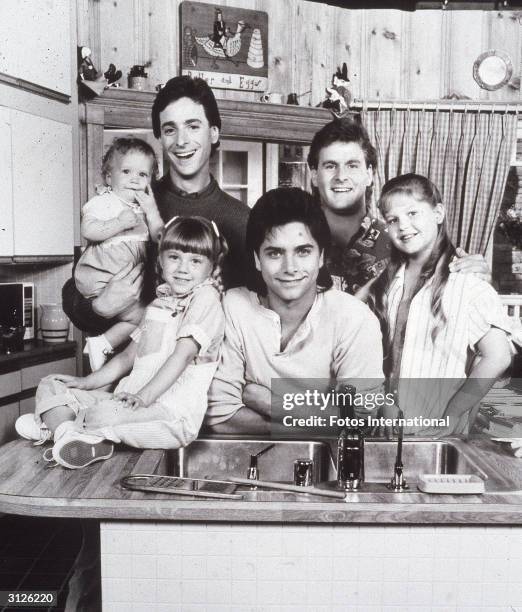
point(238, 168)
point(6, 180)
point(42, 185)
point(35, 42)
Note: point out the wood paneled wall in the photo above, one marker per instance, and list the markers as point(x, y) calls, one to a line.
point(392, 55)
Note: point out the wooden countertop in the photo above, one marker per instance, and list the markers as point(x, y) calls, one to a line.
point(29, 487)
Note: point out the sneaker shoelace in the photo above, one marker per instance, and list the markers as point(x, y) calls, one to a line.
point(47, 435)
point(48, 457)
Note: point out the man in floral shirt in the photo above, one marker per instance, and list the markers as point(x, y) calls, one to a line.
point(342, 161)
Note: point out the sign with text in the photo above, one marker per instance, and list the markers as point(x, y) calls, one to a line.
point(225, 46)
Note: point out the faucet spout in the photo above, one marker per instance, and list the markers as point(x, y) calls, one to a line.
point(350, 449)
point(397, 482)
point(253, 470)
point(350, 460)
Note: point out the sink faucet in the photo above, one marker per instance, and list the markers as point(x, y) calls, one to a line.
point(253, 470)
point(350, 448)
point(397, 482)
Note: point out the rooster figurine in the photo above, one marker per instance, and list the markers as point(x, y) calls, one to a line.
point(92, 81)
point(338, 95)
point(226, 47)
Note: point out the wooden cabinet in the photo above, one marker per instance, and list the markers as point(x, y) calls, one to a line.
point(128, 110)
point(17, 390)
point(36, 211)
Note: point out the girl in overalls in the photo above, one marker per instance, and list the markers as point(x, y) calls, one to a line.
point(170, 362)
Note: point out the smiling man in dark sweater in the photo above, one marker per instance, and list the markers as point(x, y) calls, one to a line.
point(185, 117)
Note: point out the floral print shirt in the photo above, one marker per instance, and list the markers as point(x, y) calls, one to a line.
point(363, 259)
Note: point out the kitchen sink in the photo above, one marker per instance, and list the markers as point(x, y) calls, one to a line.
point(221, 458)
point(419, 456)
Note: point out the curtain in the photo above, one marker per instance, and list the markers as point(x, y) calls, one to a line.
point(466, 154)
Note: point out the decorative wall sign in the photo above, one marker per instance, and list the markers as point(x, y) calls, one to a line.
point(492, 69)
point(226, 46)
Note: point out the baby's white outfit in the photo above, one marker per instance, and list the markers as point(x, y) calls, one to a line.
point(102, 260)
point(175, 418)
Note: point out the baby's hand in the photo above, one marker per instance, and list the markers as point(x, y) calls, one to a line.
point(146, 200)
point(131, 401)
point(128, 218)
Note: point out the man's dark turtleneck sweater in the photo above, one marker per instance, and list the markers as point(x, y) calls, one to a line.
point(229, 214)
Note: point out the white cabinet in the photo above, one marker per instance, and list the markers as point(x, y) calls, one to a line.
point(36, 174)
point(35, 40)
point(32, 375)
point(6, 180)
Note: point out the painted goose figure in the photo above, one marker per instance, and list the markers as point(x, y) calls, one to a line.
point(228, 48)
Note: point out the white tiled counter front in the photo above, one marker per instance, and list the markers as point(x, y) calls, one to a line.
point(187, 567)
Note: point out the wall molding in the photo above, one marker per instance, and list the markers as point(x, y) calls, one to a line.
point(36, 259)
point(34, 88)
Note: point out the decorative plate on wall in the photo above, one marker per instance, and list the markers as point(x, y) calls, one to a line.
point(492, 69)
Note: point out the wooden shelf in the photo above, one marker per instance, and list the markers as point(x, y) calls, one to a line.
point(128, 108)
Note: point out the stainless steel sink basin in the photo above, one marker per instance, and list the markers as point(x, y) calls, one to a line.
point(449, 456)
point(222, 458)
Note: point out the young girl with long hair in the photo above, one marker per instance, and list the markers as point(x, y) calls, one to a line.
point(448, 328)
point(167, 368)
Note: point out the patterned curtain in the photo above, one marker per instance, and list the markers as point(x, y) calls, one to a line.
point(467, 155)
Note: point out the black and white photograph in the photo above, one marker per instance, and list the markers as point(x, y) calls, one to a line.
point(261, 305)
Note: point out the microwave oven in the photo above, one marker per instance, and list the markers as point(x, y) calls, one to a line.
point(17, 307)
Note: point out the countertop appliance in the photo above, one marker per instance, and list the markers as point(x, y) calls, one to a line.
point(17, 307)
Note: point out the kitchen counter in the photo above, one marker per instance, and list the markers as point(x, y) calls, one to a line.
point(36, 352)
point(168, 552)
point(29, 486)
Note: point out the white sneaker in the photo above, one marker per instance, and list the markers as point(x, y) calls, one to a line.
point(75, 449)
point(98, 348)
point(28, 428)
